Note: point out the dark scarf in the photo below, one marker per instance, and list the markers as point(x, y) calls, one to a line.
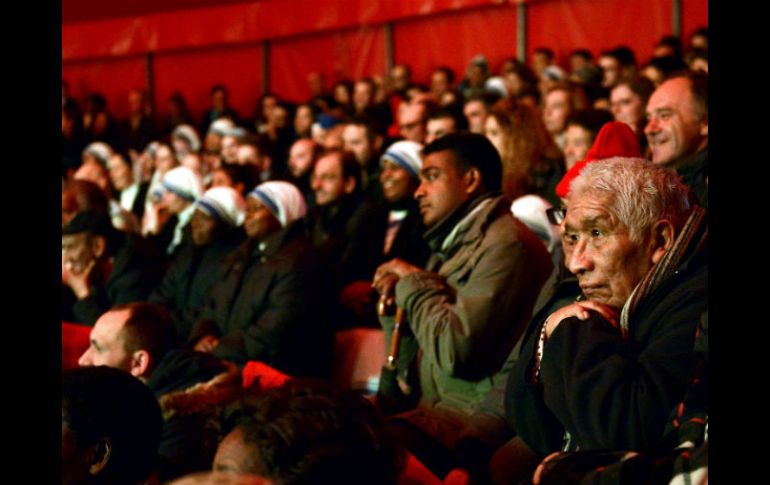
point(435, 235)
point(691, 239)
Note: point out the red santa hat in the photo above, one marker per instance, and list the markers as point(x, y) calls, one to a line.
point(615, 139)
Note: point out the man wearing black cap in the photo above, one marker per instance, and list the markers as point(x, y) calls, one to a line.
point(102, 267)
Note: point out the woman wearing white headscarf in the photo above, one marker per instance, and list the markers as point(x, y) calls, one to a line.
point(271, 302)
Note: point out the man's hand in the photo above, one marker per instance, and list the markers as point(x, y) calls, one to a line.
point(207, 343)
point(580, 310)
point(388, 274)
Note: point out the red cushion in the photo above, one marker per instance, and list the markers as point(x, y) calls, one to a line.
point(74, 341)
point(415, 473)
point(268, 377)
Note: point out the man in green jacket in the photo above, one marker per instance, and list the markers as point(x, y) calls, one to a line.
point(468, 307)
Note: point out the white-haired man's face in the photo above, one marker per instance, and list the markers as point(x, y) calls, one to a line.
point(599, 250)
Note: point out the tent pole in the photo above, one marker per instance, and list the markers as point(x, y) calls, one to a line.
point(388, 47)
point(676, 18)
point(265, 71)
point(521, 32)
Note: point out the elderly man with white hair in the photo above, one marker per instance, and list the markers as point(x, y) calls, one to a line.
point(605, 371)
point(270, 302)
point(216, 227)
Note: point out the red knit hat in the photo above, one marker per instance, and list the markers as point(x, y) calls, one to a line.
point(615, 139)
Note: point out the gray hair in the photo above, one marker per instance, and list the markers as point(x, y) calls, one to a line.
point(641, 192)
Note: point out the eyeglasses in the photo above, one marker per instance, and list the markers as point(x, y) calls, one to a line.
point(556, 215)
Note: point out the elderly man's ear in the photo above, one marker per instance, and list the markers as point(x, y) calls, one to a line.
point(663, 235)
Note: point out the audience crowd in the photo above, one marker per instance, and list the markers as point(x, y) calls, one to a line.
point(533, 241)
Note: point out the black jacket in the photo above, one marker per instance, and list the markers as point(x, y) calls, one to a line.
point(192, 273)
point(192, 388)
point(606, 391)
point(271, 305)
point(135, 272)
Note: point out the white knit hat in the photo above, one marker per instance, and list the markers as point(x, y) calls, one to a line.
point(405, 154)
point(99, 150)
point(496, 84)
point(530, 209)
point(224, 204)
point(188, 133)
point(283, 200)
point(220, 126)
point(235, 131)
point(183, 182)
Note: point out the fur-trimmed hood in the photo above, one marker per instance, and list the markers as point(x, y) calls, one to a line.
point(187, 382)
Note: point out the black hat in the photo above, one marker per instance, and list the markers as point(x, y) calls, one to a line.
point(95, 222)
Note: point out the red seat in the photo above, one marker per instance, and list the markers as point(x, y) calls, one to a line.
point(415, 473)
point(74, 341)
point(359, 354)
point(266, 376)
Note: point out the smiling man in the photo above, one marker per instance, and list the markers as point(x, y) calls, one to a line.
point(606, 371)
point(467, 308)
point(102, 267)
point(678, 130)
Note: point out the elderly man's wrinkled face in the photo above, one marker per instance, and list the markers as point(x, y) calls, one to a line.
point(598, 249)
